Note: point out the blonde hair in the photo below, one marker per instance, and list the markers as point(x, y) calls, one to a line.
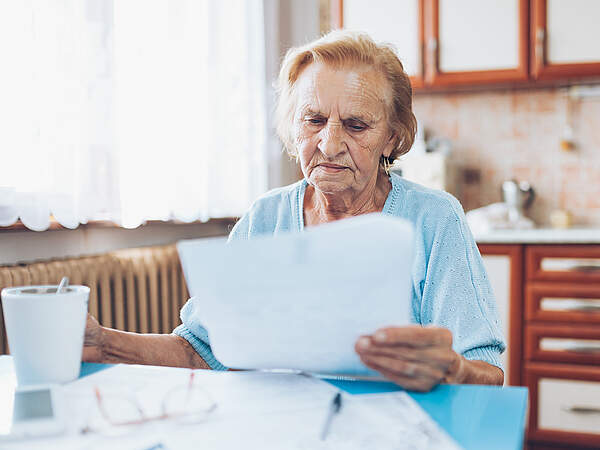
point(341, 48)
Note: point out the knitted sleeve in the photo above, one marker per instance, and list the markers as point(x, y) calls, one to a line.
point(456, 293)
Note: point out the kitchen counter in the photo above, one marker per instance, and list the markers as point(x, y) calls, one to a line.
point(540, 236)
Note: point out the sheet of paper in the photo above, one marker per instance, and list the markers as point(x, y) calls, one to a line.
point(272, 411)
point(301, 300)
point(388, 421)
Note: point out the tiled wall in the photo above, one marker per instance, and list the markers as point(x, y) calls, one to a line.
point(516, 134)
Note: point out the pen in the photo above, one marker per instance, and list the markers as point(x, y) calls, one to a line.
point(334, 408)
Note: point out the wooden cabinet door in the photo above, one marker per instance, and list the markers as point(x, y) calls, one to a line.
point(398, 22)
point(504, 267)
point(564, 404)
point(577, 263)
point(565, 37)
point(471, 42)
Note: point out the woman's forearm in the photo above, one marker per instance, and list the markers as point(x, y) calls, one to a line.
point(149, 349)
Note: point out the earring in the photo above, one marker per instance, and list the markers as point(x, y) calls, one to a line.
point(387, 164)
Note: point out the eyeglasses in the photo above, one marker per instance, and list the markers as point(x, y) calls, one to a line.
point(187, 403)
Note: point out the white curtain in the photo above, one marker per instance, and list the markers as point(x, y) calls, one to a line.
point(130, 110)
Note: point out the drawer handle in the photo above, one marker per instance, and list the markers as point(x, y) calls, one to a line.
point(584, 268)
point(582, 349)
point(570, 304)
point(585, 308)
point(560, 345)
point(575, 409)
point(587, 265)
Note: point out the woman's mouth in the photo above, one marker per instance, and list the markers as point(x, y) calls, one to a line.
point(331, 168)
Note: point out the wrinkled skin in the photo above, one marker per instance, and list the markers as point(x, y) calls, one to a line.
point(341, 132)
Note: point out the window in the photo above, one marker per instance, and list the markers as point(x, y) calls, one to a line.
point(130, 110)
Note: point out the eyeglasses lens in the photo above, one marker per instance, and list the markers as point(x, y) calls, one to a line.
point(189, 404)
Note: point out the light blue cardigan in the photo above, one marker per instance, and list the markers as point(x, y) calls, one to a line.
point(450, 287)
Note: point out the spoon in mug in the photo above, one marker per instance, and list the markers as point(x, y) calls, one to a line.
point(63, 284)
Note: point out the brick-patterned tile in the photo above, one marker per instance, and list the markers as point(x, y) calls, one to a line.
point(517, 135)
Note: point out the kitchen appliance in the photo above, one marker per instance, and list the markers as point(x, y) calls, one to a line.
point(518, 196)
point(429, 164)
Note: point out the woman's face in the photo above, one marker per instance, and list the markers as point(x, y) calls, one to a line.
point(340, 127)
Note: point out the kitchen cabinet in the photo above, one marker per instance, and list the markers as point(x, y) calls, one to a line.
point(561, 361)
point(447, 44)
point(471, 42)
point(398, 22)
point(548, 298)
point(549, 302)
point(565, 38)
point(563, 405)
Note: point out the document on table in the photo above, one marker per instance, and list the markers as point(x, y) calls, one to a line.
point(367, 422)
point(301, 300)
point(270, 411)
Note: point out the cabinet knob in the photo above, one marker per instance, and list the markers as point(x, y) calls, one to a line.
point(432, 52)
point(432, 45)
point(540, 37)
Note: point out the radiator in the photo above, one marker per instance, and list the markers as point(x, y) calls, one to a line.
point(140, 290)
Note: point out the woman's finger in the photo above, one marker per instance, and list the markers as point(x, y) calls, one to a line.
point(406, 368)
point(420, 384)
point(441, 357)
point(413, 336)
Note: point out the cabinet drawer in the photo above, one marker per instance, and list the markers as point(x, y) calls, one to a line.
point(565, 404)
point(579, 263)
point(563, 302)
point(563, 343)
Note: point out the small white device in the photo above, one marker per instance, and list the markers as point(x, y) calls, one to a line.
point(32, 411)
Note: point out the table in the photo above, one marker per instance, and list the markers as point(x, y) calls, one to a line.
point(475, 416)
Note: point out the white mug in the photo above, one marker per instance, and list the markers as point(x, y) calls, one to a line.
point(45, 331)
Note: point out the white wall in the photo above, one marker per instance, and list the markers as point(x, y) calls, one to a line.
point(287, 23)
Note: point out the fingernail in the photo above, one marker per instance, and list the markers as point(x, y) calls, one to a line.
point(364, 342)
point(380, 336)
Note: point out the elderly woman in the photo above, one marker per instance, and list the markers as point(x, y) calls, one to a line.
point(345, 113)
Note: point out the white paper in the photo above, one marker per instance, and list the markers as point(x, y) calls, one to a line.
point(301, 300)
point(386, 421)
point(270, 411)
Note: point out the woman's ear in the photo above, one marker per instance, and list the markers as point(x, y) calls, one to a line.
point(391, 145)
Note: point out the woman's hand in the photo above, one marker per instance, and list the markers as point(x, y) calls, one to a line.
point(93, 341)
point(414, 357)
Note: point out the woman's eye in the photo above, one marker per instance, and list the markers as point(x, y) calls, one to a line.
point(314, 121)
point(356, 126)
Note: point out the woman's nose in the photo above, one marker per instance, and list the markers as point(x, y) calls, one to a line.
point(332, 142)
